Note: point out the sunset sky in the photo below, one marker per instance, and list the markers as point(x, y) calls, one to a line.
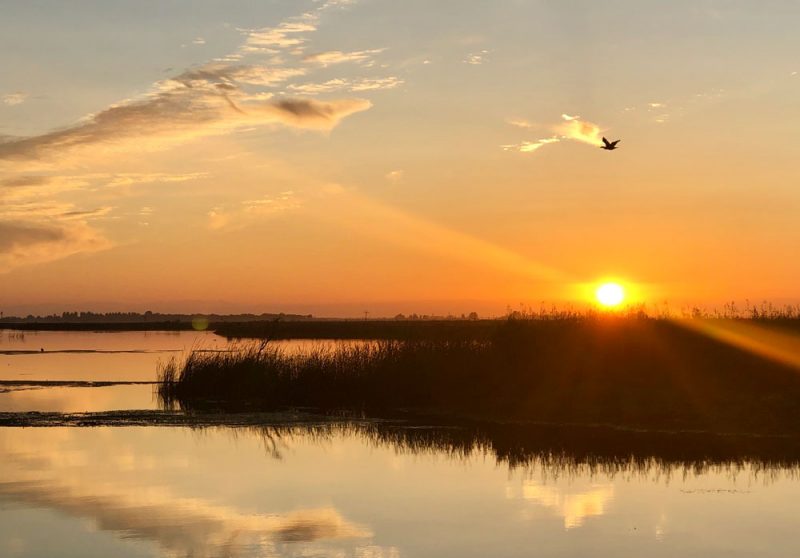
point(340, 156)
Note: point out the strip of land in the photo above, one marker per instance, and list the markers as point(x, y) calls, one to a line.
point(630, 372)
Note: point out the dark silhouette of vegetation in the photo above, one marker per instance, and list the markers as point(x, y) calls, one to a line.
point(471, 327)
point(632, 372)
point(397, 329)
point(401, 327)
point(561, 449)
point(134, 321)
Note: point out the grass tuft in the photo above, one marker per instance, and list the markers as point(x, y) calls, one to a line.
point(631, 371)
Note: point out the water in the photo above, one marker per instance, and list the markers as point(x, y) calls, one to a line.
point(57, 371)
point(104, 356)
point(362, 490)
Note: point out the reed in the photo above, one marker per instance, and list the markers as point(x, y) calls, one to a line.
point(633, 372)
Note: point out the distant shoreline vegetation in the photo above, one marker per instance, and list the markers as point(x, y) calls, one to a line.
point(400, 327)
point(624, 371)
point(134, 320)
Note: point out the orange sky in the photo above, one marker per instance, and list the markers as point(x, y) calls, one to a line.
point(342, 156)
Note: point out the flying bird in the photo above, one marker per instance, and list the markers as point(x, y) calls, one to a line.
point(609, 145)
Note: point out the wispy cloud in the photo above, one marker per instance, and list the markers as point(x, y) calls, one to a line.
point(520, 123)
point(132, 178)
point(24, 181)
point(86, 214)
point(338, 57)
point(336, 84)
point(574, 128)
point(26, 187)
point(663, 111)
point(375, 84)
point(182, 111)
point(19, 188)
point(290, 35)
point(528, 146)
point(287, 34)
point(16, 98)
point(24, 243)
point(36, 228)
point(476, 58)
point(37, 223)
point(244, 90)
point(242, 214)
point(217, 98)
point(570, 128)
point(344, 84)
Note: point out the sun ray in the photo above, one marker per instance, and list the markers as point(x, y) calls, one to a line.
point(370, 217)
point(769, 342)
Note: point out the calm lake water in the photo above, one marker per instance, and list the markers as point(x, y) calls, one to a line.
point(335, 490)
point(57, 364)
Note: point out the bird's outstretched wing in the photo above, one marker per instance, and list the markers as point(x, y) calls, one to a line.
point(614, 143)
point(607, 143)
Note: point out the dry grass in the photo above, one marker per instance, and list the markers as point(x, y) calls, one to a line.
point(630, 371)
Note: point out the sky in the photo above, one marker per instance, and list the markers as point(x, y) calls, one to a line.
point(341, 156)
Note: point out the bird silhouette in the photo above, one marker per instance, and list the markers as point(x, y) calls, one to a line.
point(609, 145)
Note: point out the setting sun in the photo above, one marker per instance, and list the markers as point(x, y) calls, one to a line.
point(610, 294)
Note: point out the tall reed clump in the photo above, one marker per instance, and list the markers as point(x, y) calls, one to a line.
point(364, 376)
point(634, 372)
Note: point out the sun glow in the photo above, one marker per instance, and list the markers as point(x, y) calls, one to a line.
point(610, 294)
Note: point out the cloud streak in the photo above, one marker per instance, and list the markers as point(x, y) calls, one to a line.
point(571, 128)
point(342, 84)
point(16, 98)
point(287, 34)
point(338, 57)
point(244, 213)
point(42, 176)
point(24, 243)
point(529, 146)
point(476, 58)
point(520, 123)
point(215, 98)
point(208, 103)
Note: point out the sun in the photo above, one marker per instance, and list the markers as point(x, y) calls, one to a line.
point(610, 294)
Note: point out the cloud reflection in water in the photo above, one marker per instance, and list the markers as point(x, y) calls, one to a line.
point(75, 482)
point(574, 506)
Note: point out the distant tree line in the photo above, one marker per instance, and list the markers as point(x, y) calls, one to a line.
point(412, 317)
point(146, 317)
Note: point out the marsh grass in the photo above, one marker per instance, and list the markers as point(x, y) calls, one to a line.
point(631, 371)
point(356, 376)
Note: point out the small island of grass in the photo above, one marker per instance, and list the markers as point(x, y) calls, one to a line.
point(631, 372)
